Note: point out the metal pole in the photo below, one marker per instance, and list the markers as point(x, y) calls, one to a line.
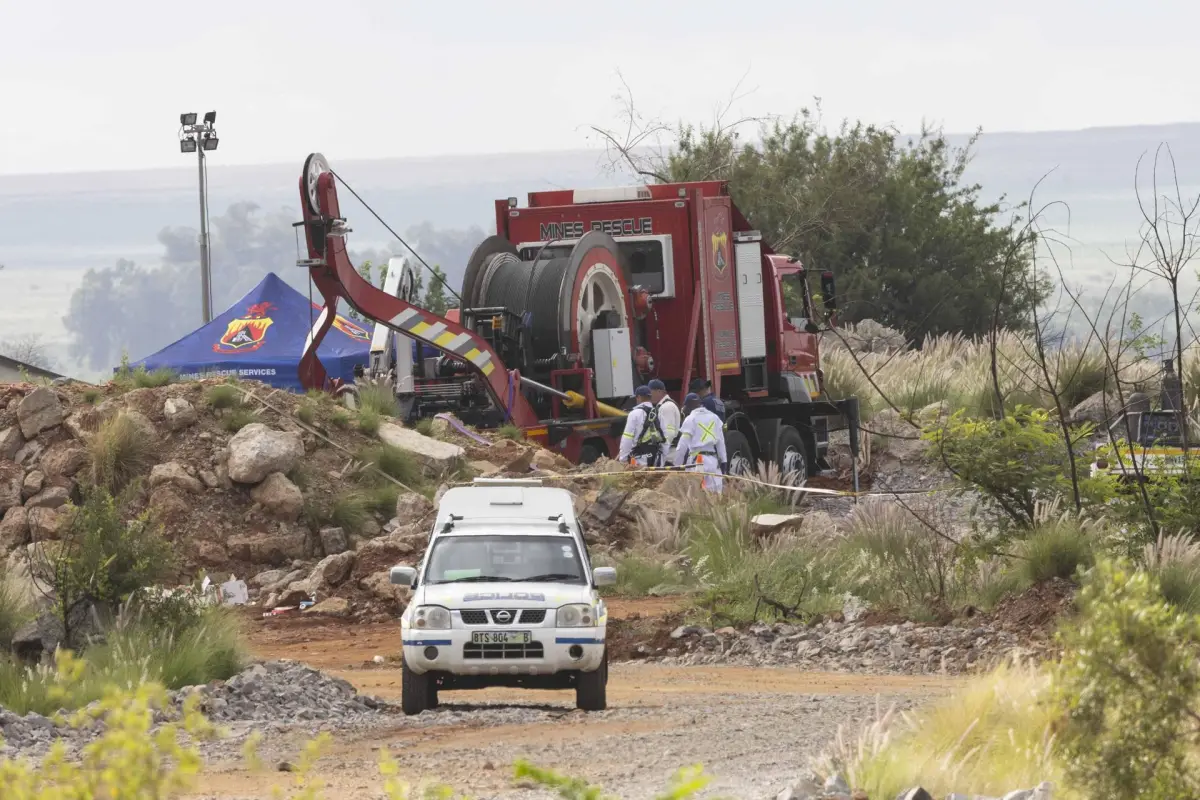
point(205, 275)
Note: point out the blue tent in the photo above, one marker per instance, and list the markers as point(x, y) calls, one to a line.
point(261, 337)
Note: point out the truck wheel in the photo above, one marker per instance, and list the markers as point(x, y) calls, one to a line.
point(591, 690)
point(740, 454)
point(417, 692)
point(791, 454)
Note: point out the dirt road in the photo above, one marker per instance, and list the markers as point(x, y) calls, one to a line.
point(753, 729)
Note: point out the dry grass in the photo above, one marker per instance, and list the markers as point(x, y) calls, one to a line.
point(957, 369)
point(120, 451)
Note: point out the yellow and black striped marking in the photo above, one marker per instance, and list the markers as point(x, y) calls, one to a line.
point(428, 328)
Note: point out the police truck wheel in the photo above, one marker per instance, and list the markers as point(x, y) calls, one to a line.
point(417, 692)
point(739, 453)
point(591, 690)
point(790, 454)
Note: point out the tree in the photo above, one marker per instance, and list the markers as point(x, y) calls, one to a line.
point(435, 295)
point(28, 349)
point(913, 247)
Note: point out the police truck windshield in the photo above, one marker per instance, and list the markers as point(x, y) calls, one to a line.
point(505, 559)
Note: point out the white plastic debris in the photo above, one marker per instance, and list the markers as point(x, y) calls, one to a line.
point(234, 592)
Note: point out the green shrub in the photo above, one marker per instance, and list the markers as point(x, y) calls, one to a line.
point(1128, 690)
point(341, 418)
point(379, 398)
point(510, 431)
point(120, 451)
point(1174, 561)
point(306, 412)
point(351, 511)
point(382, 498)
point(1057, 549)
point(369, 421)
point(223, 395)
point(1017, 461)
point(239, 418)
point(424, 427)
point(92, 396)
point(642, 574)
point(392, 461)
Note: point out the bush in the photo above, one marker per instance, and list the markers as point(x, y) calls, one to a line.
point(120, 451)
point(351, 511)
point(1175, 562)
point(139, 378)
point(223, 395)
point(901, 563)
point(101, 559)
point(1172, 501)
point(92, 396)
point(341, 418)
point(394, 462)
point(994, 733)
point(640, 574)
point(510, 431)
point(137, 649)
point(369, 421)
point(424, 427)
point(382, 498)
point(239, 418)
point(306, 412)
point(1017, 461)
point(1057, 549)
point(1128, 690)
point(378, 398)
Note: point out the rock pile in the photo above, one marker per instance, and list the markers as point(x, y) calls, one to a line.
point(847, 646)
point(281, 690)
point(835, 788)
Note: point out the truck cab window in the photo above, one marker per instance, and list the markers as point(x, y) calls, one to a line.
point(795, 299)
point(646, 264)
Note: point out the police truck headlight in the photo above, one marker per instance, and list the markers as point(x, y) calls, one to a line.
point(577, 615)
point(433, 618)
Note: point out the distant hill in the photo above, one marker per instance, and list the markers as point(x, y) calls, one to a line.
point(57, 226)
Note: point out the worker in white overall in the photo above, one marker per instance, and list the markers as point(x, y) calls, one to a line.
point(702, 443)
point(642, 440)
point(668, 416)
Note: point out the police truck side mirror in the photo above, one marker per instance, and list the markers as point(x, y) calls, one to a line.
point(402, 576)
point(604, 576)
point(828, 293)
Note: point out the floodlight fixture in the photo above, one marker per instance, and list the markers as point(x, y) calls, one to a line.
point(210, 143)
point(211, 118)
point(187, 119)
point(187, 145)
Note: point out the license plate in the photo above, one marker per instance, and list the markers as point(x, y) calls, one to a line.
point(501, 637)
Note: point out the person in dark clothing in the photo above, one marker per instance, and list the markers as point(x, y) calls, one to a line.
point(703, 387)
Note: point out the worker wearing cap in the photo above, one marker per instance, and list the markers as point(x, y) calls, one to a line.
point(642, 440)
point(668, 415)
point(702, 443)
point(702, 387)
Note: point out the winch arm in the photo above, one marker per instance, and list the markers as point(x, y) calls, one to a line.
point(335, 277)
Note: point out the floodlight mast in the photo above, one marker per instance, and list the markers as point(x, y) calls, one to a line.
point(199, 138)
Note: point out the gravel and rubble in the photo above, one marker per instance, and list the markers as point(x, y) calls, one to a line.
point(905, 648)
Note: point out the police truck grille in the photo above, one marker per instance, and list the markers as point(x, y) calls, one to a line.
point(533, 616)
point(474, 616)
point(503, 651)
point(504, 616)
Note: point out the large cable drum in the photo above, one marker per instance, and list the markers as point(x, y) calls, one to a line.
point(563, 298)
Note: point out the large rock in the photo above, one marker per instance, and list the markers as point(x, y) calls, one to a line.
point(256, 451)
point(279, 497)
point(280, 584)
point(412, 507)
point(331, 607)
point(275, 549)
point(179, 413)
point(434, 454)
point(38, 411)
point(10, 442)
point(14, 529)
point(267, 577)
point(333, 541)
point(32, 484)
point(544, 459)
point(82, 424)
point(30, 569)
point(650, 501)
point(29, 453)
point(210, 554)
point(174, 474)
point(388, 551)
point(63, 459)
point(331, 571)
point(167, 505)
point(142, 423)
point(46, 524)
point(50, 497)
point(12, 478)
point(379, 585)
point(1100, 409)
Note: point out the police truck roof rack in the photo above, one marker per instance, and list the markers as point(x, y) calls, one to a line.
point(562, 525)
point(449, 526)
point(507, 481)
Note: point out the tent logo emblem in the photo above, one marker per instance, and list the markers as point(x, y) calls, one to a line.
point(720, 246)
point(347, 327)
point(248, 332)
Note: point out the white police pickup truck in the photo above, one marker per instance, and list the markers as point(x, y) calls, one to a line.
point(504, 596)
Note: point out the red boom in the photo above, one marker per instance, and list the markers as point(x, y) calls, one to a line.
point(335, 277)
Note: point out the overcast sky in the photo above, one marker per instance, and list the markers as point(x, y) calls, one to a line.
point(99, 86)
